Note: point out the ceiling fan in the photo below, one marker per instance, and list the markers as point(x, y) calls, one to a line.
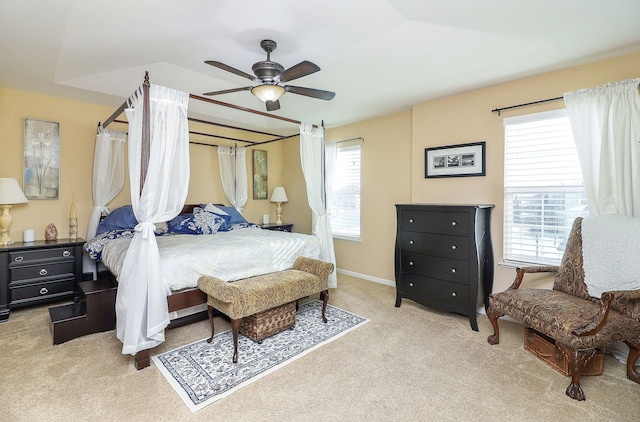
point(270, 78)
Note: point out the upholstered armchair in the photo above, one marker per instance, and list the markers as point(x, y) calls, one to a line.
point(577, 322)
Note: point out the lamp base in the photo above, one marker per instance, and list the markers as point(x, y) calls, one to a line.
point(5, 223)
point(279, 214)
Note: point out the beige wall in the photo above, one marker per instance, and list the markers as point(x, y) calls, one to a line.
point(78, 122)
point(393, 157)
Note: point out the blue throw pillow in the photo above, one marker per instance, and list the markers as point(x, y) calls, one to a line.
point(120, 218)
point(200, 222)
point(236, 217)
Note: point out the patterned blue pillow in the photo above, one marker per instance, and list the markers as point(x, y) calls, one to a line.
point(200, 222)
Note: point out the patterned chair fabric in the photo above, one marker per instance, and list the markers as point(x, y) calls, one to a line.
point(576, 321)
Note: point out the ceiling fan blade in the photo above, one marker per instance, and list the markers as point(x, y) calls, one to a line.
point(310, 92)
point(226, 91)
point(273, 105)
point(231, 69)
point(298, 71)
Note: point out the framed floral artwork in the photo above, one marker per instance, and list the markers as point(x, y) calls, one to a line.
point(260, 171)
point(41, 179)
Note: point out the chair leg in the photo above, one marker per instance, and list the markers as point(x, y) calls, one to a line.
point(235, 327)
point(493, 315)
point(577, 361)
point(324, 295)
point(210, 313)
point(634, 355)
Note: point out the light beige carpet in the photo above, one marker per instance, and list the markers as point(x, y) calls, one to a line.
point(407, 364)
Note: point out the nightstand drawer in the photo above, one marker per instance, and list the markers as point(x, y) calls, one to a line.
point(23, 257)
point(36, 291)
point(42, 271)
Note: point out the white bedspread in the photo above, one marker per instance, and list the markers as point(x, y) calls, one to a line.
point(231, 255)
point(611, 253)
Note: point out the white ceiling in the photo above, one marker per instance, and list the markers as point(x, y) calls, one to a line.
point(379, 56)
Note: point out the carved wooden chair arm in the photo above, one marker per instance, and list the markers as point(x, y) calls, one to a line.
point(624, 301)
point(520, 272)
point(598, 322)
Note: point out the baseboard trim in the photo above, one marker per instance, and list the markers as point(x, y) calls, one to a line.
point(367, 277)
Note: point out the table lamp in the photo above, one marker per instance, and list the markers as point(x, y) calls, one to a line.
point(10, 193)
point(279, 196)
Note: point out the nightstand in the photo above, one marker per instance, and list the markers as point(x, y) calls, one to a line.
point(278, 227)
point(32, 273)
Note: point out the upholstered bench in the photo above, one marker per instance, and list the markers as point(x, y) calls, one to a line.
point(249, 296)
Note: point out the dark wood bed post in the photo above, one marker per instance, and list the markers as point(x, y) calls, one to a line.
point(142, 357)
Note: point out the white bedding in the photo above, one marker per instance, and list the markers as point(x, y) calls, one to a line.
point(231, 255)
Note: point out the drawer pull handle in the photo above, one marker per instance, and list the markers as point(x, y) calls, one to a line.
point(410, 262)
point(453, 270)
point(454, 247)
point(66, 253)
point(18, 258)
point(410, 284)
point(453, 223)
point(454, 294)
point(411, 242)
point(44, 291)
point(43, 272)
point(411, 220)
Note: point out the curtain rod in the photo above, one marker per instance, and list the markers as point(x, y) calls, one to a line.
point(351, 139)
point(498, 110)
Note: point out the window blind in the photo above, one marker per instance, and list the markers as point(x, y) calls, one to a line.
point(344, 194)
point(543, 187)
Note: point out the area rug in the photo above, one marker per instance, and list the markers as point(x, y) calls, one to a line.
point(202, 372)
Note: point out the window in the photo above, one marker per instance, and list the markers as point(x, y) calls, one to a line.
point(344, 194)
point(543, 187)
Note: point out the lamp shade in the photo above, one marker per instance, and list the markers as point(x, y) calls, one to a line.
point(279, 195)
point(10, 192)
point(268, 92)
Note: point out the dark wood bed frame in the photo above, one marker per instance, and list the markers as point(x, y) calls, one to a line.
point(189, 297)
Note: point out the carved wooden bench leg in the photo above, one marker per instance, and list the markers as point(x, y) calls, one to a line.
point(324, 295)
point(577, 361)
point(235, 327)
point(210, 313)
point(493, 315)
point(141, 359)
point(634, 355)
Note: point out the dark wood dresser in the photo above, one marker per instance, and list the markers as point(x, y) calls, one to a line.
point(444, 256)
point(32, 273)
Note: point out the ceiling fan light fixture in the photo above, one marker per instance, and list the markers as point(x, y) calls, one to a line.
point(268, 92)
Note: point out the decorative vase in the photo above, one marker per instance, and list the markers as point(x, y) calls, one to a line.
point(73, 228)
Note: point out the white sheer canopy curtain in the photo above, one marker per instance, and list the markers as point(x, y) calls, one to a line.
point(108, 179)
point(605, 121)
point(233, 174)
point(141, 303)
point(312, 150)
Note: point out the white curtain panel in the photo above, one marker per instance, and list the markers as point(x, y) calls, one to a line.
point(312, 148)
point(233, 174)
point(141, 303)
point(605, 121)
point(108, 179)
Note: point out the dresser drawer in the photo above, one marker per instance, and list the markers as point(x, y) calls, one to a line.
point(456, 247)
point(448, 269)
point(446, 295)
point(42, 271)
point(31, 292)
point(24, 257)
point(455, 223)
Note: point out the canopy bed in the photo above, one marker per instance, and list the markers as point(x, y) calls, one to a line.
point(148, 293)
